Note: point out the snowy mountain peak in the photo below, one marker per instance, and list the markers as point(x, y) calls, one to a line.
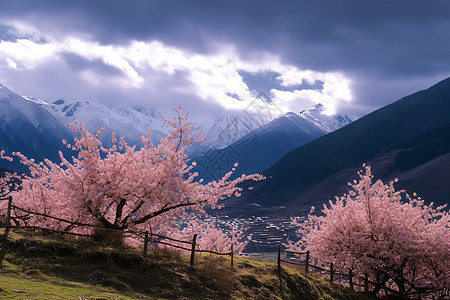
point(290, 114)
point(319, 107)
point(32, 99)
point(316, 109)
point(316, 116)
point(125, 121)
point(221, 129)
point(29, 129)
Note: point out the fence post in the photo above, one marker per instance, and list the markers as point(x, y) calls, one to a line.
point(331, 271)
point(350, 278)
point(8, 215)
point(232, 255)
point(145, 243)
point(366, 283)
point(278, 258)
point(193, 250)
point(307, 262)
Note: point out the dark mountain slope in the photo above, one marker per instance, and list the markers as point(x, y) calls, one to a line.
point(423, 147)
point(28, 128)
point(264, 146)
point(429, 178)
point(364, 140)
point(259, 149)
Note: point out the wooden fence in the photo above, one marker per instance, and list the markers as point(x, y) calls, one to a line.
point(331, 271)
point(8, 212)
point(192, 245)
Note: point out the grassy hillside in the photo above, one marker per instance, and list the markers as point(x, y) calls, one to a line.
point(34, 266)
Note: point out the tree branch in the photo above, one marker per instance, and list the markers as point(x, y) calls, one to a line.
point(164, 210)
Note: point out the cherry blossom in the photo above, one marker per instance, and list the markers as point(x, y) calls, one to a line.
point(152, 188)
point(402, 243)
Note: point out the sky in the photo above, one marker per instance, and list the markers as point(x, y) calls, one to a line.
point(353, 56)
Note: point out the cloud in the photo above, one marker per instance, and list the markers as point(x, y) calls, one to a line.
point(12, 64)
point(353, 55)
point(26, 52)
point(156, 71)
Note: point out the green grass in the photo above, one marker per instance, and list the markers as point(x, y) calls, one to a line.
point(36, 266)
point(15, 286)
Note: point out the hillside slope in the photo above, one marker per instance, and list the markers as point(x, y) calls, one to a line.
point(314, 172)
point(162, 274)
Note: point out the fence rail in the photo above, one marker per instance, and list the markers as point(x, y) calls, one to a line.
point(331, 271)
point(194, 246)
point(144, 235)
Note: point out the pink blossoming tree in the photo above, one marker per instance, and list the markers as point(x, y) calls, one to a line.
point(123, 188)
point(401, 243)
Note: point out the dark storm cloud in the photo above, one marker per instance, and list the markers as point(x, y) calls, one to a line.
point(260, 83)
point(386, 37)
point(78, 63)
point(385, 43)
point(52, 80)
point(5, 35)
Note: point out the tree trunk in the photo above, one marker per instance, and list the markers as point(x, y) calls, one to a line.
point(401, 289)
point(108, 236)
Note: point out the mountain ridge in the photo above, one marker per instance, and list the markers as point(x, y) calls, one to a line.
point(263, 146)
point(29, 129)
point(130, 122)
point(222, 130)
point(362, 141)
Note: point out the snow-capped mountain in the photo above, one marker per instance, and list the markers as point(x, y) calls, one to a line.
point(326, 123)
point(28, 128)
point(408, 139)
point(227, 127)
point(264, 146)
point(36, 128)
point(220, 130)
point(125, 121)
